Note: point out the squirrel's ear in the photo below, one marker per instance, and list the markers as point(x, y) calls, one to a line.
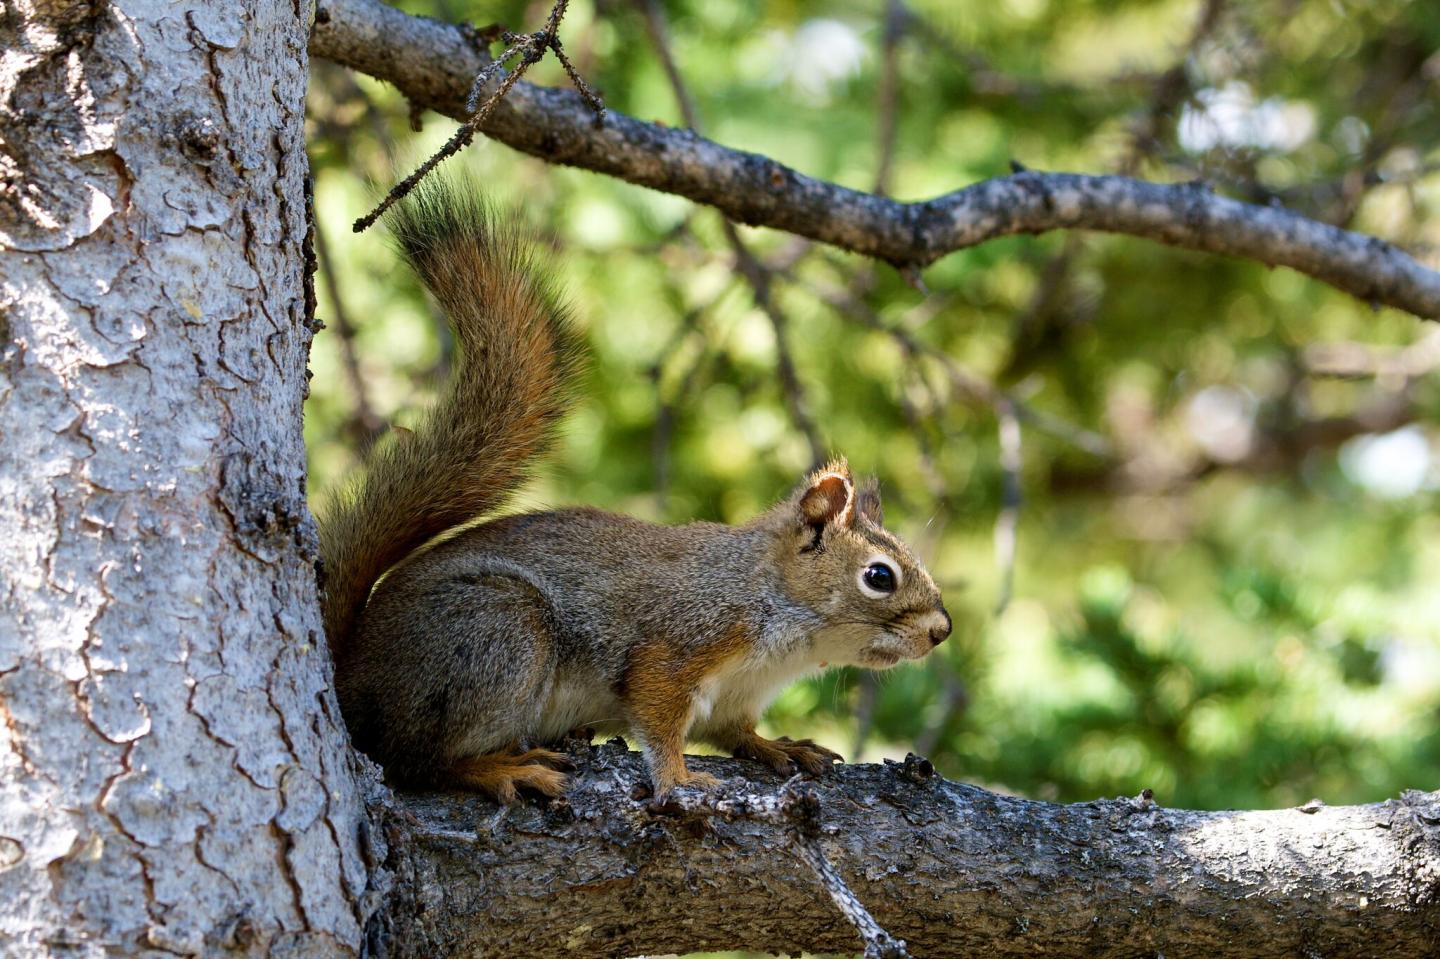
point(867, 502)
point(829, 497)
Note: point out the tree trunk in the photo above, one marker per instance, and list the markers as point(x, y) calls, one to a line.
point(175, 772)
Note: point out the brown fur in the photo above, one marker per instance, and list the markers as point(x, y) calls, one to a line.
point(495, 417)
point(659, 690)
point(784, 755)
point(456, 656)
point(500, 774)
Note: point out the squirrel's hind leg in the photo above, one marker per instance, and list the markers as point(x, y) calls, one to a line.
point(500, 774)
point(450, 695)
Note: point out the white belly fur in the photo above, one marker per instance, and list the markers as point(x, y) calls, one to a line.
point(573, 705)
point(739, 694)
point(744, 693)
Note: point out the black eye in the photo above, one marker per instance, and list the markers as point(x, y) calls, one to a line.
point(880, 578)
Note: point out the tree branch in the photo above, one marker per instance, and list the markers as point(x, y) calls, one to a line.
point(434, 65)
point(952, 869)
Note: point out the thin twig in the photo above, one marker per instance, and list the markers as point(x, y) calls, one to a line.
point(655, 25)
point(888, 102)
point(460, 139)
point(759, 277)
point(868, 687)
point(1168, 91)
point(987, 82)
point(1009, 517)
point(797, 807)
point(954, 699)
point(667, 406)
point(530, 48)
point(756, 273)
point(969, 386)
point(339, 125)
point(879, 944)
point(364, 424)
point(1394, 367)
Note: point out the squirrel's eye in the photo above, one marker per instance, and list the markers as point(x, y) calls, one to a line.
point(879, 577)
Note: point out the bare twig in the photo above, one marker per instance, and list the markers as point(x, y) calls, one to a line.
point(967, 385)
point(365, 425)
point(879, 944)
point(914, 418)
point(666, 406)
point(889, 96)
point(1395, 367)
point(796, 806)
point(530, 48)
point(988, 83)
point(867, 692)
point(1009, 516)
point(460, 139)
point(955, 698)
point(655, 25)
point(759, 277)
point(756, 273)
point(1168, 90)
point(337, 124)
point(434, 65)
point(1284, 439)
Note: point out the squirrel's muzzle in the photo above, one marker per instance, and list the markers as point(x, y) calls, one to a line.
point(941, 628)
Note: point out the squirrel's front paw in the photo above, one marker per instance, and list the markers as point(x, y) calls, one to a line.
point(787, 756)
point(702, 782)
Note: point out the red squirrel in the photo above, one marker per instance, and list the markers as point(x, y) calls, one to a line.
point(455, 658)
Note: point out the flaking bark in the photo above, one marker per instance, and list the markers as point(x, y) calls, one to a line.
point(952, 869)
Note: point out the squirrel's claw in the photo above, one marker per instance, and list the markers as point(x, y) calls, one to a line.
point(501, 775)
point(788, 756)
point(700, 782)
point(810, 755)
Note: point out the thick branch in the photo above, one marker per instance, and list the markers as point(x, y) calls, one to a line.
point(952, 869)
point(434, 65)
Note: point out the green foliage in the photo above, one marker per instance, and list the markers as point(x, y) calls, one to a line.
point(1235, 607)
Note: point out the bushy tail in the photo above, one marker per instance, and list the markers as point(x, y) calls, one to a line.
point(508, 388)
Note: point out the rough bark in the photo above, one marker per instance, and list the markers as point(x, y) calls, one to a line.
point(952, 869)
point(434, 63)
point(175, 775)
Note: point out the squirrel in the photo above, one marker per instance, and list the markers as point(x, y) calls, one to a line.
point(458, 657)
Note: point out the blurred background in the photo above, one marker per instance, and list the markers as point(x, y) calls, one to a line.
point(1183, 506)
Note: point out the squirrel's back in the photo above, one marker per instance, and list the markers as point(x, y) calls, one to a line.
point(507, 390)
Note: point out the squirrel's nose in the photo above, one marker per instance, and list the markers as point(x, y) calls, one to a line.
point(941, 630)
